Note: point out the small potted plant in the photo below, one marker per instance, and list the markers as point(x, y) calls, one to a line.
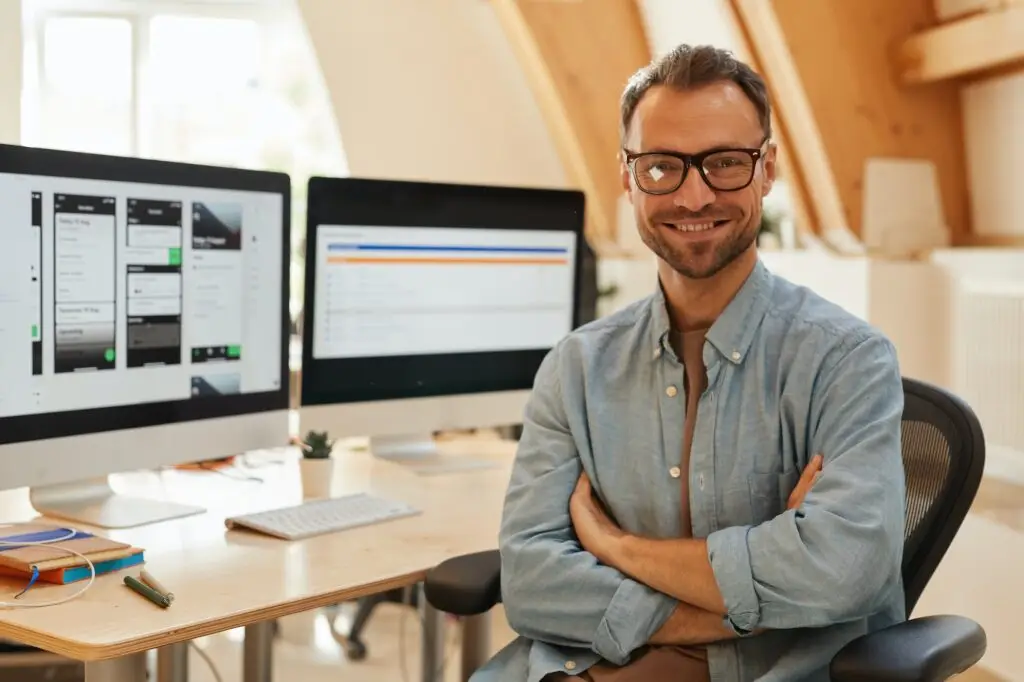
point(316, 465)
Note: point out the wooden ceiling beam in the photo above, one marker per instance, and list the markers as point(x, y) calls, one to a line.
point(970, 46)
point(816, 197)
point(563, 48)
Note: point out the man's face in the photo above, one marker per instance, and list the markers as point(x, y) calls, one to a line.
point(695, 229)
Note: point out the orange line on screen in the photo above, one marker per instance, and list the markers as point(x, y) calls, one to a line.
point(447, 261)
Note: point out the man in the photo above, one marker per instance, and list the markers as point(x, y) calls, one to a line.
point(654, 527)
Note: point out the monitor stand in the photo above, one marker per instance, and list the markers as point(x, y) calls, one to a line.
point(95, 503)
point(404, 448)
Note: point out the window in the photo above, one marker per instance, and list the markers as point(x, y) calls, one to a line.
point(224, 82)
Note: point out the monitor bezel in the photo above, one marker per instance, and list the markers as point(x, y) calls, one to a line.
point(407, 203)
point(35, 161)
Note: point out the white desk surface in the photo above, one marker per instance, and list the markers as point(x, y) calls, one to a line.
point(227, 579)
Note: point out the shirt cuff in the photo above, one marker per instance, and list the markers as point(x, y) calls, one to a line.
point(631, 619)
point(730, 562)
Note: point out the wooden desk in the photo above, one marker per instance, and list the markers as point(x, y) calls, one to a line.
point(224, 580)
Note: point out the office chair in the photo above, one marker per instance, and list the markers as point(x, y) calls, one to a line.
point(943, 457)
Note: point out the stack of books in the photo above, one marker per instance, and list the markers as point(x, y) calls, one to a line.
point(54, 565)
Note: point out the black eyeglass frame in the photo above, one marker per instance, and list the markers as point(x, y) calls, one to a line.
point(697, 161)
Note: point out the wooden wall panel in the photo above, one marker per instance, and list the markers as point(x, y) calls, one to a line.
point(830, 66)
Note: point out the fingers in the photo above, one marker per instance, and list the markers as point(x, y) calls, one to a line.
point(813, 467)
point(582, 485)
point(810, 476)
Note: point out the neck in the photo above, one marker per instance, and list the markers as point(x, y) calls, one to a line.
point(697, 303)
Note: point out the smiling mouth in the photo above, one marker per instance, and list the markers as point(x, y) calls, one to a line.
point(696, 227)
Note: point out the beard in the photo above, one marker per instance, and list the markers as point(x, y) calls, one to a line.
point(699, 259)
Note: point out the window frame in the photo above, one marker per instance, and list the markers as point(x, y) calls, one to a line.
point(139, 14)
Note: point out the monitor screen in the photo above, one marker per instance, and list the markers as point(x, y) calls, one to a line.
point(136, 293)
point(421, 289)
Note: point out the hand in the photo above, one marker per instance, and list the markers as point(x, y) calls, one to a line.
point(807, 480)
point(597, 533)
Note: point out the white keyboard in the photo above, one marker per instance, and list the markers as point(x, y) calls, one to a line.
point(323, 516)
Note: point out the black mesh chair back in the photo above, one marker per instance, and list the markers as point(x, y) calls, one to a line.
point(943, 457)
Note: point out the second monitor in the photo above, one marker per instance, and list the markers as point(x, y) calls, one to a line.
point(430, 306)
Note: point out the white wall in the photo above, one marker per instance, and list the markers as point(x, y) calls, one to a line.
point(994, 263)
point(10, 71)
point(430, 90)
point(994, 137)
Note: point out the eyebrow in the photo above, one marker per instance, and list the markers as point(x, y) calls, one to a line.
point(716, 148)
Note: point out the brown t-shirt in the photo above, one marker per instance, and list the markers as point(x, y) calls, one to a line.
point(664, 663)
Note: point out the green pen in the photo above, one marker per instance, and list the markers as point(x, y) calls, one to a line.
point(147, 592)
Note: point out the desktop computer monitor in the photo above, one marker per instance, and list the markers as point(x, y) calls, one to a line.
point(430, 306)
point(143, 322)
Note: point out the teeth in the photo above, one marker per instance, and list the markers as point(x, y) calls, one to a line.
point(694, 227)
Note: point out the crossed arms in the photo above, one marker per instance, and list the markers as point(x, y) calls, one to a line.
point(592, 585)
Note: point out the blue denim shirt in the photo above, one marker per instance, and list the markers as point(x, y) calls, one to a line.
point(789, 375)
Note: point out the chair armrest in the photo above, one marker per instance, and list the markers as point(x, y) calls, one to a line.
point(467, 585)
point(931, 649)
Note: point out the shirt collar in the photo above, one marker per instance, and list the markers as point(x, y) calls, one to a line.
point(734, 330)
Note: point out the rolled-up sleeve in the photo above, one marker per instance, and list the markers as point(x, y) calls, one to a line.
point(837, 557)
point(553, 590)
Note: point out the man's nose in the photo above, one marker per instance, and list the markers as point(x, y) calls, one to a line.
point(694, 194)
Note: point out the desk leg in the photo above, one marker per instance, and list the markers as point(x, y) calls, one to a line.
point(476, 643)
point(433, 641)
point(258, 652)
point(125, 669)
point(172, 663)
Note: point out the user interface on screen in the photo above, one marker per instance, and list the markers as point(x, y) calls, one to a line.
point(413, 291)
point(117, 293)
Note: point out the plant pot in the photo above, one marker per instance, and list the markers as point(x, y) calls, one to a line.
point(317, 477)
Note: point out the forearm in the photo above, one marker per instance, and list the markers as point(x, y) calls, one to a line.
point(679, 568)
point(556, 593)
point(691, 626)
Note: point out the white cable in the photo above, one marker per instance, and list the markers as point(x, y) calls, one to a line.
point(209, 661)
point(64, 600)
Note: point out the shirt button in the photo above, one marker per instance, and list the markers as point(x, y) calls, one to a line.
point(570, 665)
point(674, 472)
point(671, 391)
point(736, 355)
point(657, 352)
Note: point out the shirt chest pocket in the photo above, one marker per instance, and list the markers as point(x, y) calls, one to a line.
point(768, 494)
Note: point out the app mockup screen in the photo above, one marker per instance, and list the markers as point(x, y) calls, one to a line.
point(117, 293)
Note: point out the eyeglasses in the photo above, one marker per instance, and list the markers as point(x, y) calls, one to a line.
point(724, 170)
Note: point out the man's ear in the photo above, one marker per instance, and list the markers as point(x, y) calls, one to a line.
point(768, 165)
point(624, 175)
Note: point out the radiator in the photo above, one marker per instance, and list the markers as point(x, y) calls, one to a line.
point(987, 348)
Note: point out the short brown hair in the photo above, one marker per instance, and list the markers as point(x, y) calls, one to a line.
point(686, 67)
